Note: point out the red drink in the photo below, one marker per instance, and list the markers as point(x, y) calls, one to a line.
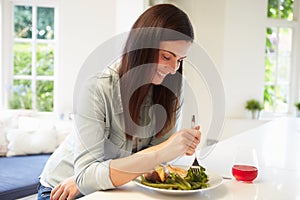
point(245, 173)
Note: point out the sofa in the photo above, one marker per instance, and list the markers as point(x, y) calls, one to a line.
point(27, 139)
point(19, 175)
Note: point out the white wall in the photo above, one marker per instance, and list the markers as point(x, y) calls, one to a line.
point(127, 12)
point(208, 22)
point(233, 34)
point(244, 44)
point(6, 41)
point(1, 60)
point(84, 24)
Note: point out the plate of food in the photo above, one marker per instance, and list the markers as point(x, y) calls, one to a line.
point(179, 180)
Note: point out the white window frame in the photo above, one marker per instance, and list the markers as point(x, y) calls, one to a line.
point(8, 25)
point(294, 82)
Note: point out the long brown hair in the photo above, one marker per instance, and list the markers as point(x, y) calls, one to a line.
point(141, 50)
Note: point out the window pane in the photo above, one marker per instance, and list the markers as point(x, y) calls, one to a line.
point(286, 9)
point(23, 21)
point(269, 96)
point(45, 23)
point(284, 54)
point(282, 98)
point(45, 59)
point(22, 59)
point(271, 40)
point(270, 61)
point(284, 62)
point(44, 95)
point(271, 52)
point(281, 9)
point(21, 96)
point(285, 40)
point(273, 8)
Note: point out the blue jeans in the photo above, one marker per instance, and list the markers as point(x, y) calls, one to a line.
point(44, 193)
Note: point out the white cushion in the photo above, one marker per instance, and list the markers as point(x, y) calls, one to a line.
point(4, 123)
point(3, 141)
point(32, 123)
point(23, 142)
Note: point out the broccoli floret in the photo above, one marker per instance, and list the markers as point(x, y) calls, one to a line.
point(197, 178)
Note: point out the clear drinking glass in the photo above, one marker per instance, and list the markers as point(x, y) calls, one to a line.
point(245, 166)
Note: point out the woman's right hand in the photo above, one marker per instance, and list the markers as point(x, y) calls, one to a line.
point(182, 142)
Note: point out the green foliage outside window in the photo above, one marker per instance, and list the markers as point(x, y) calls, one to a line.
point(45, 23)
point(23, 21)
point(45, 95)
point(22, 59)
point(269, 90)
point(285, 9)
point(276, 11)
point(45, 60)
point(22, 93)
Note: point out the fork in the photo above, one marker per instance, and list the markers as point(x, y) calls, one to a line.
point(165, 166)
point(195, 166)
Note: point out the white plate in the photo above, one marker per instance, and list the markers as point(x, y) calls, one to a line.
point(214, 181)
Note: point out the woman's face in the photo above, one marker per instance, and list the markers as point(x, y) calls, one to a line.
point(170, 54)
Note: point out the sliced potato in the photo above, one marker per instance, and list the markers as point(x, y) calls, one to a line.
point(180, 171)
point(161, 173)
point(157, 175)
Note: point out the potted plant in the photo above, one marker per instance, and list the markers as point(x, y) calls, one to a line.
point(255, 107)
point(297, 105)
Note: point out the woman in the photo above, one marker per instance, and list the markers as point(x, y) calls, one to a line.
point(120, 131)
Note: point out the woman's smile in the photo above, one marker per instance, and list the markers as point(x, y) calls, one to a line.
point(171, 54)
point(161, 74)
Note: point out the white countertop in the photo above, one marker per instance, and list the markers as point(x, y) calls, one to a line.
point(278, 146)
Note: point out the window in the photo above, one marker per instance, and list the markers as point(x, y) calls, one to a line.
point(34, 56)
point(279, 56)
